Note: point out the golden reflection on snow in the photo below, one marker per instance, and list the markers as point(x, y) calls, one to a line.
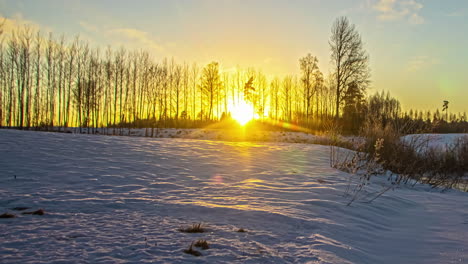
point(251, 184)
point(244, 207)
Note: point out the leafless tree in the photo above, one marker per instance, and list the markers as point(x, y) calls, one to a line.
point(309, 70)
point(350, 60)
point(47, 82)
point(211, 84)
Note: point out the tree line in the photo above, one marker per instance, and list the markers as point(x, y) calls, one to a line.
point(53, 82)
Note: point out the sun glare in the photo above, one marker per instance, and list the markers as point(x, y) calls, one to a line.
point(242, 112)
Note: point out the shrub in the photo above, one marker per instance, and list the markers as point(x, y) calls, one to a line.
point(385, 150)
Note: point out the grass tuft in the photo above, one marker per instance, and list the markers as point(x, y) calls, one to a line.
point(202, 243)
point(192, 251)
point(7, 215)
point(195, 228)
point(37, 212)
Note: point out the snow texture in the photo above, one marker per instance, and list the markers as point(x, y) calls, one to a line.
point(123, 199)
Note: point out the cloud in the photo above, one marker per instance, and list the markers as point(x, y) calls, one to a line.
point(417, 63)
point(127, 37)
point(141, 38)
point(17, 22)
point(392, 10)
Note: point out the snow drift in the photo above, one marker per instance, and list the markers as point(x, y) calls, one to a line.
point(124, 199)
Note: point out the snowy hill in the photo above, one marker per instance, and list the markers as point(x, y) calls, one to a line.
point(124, 199)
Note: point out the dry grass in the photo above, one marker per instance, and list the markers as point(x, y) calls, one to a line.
point(192, 251)
point(195, 228)
point(37, 212)
point(409, 160)
point(7, 215)
point(202, 243)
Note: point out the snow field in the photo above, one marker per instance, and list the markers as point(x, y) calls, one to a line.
point(123, 199)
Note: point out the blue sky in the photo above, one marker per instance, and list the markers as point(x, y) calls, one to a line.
point(418, 48)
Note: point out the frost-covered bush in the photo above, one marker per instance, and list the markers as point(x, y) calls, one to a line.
point(403, 160)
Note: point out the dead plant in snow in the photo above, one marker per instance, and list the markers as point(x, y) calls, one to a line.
point(403, 159)
point(195, 228)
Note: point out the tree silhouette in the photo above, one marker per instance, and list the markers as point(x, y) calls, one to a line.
point(50, 83)
point(445, 108)
point(350, 60)
point(211, 84)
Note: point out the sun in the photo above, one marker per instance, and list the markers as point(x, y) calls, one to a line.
point(242, 112)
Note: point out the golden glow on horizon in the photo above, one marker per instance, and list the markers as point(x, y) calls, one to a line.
point(242, 112)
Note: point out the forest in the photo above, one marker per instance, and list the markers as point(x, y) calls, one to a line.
point(49, 82)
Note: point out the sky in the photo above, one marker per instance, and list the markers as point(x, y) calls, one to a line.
point(418, 48)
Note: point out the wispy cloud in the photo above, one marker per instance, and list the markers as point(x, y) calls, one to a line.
point(141, 38)
point(17, 21)
point(392, 10)
point(128, 37)
point(418, 63)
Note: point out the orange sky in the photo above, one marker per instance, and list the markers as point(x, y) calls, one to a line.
point(417, 48)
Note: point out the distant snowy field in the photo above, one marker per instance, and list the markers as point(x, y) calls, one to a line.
point(210, 134)
point(435, 141)
point(123, 199)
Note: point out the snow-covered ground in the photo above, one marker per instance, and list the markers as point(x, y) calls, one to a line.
point(237, 135)
point(434, 141)
point(122, 199)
